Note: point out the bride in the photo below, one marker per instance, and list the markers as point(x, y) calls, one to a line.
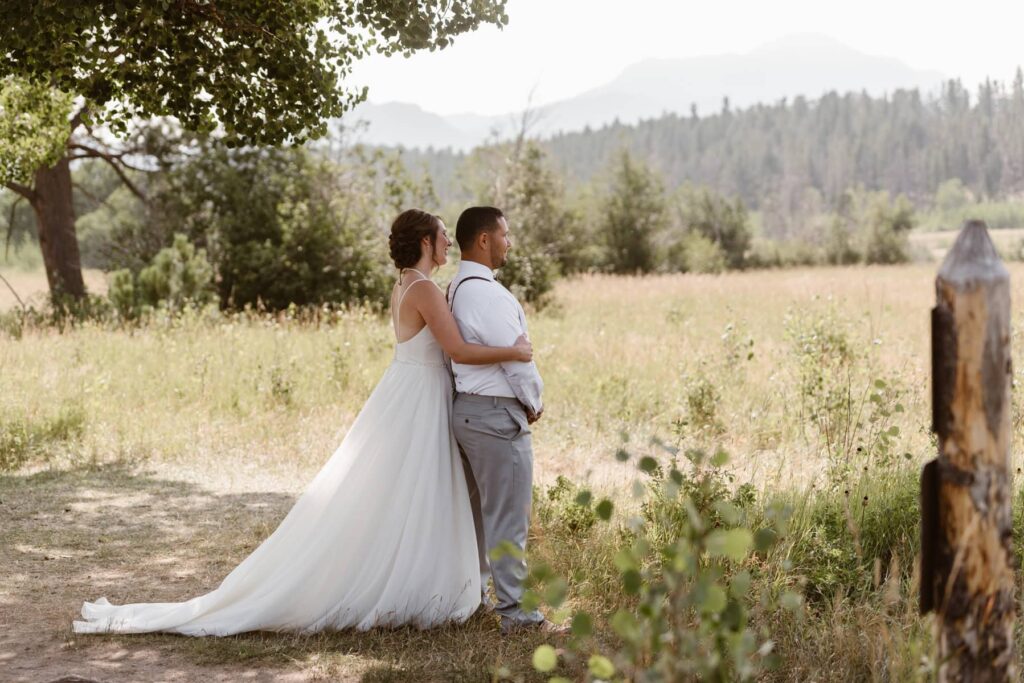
point(384, 533)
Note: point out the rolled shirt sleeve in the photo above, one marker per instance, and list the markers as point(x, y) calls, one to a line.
point(509, 322)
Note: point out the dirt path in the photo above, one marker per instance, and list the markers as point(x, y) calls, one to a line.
point(130, 536)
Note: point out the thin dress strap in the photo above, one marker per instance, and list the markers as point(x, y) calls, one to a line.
point(398, 306)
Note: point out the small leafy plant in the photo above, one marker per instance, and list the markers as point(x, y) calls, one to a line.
point(686, 569)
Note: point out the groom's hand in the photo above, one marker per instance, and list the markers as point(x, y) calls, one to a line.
point(532, 417)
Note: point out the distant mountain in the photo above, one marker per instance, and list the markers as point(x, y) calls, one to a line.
point(805, 64)
point(408, 125)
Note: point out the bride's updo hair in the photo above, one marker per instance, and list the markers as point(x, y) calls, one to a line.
point(411, 226)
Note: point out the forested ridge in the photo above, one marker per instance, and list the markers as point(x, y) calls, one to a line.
point(905, 143)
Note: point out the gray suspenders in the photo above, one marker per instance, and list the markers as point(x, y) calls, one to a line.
point(451, 307)
point(451, 301)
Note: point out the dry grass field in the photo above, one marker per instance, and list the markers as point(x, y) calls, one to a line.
point(30, 286)
point(144, 463)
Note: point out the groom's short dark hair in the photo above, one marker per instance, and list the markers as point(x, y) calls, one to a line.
point(473, 221)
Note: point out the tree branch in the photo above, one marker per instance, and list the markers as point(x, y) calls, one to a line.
point(20, 302)
point(91, 196)
point(25, 191)
point(115, 163)
point(76, 120)
point(10, 226)
point(89, 152)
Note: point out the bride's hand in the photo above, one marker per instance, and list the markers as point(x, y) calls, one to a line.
point(524, 347)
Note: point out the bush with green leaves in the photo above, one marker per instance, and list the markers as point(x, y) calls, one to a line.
point(852, 414)
point(702, 402)
point(565, 506)
point(179, 276)
point(634, 216)
point(718, 220)
point(888, 230)
point(686, 568)
point(546, 232)
point(283, 226)
point(529, 274)
point(695, 253)
point(847, 541)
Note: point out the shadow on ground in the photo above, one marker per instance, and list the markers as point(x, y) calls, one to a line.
point(117, 531)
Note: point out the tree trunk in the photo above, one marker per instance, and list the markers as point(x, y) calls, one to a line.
point(55, 220)
point(967, 534)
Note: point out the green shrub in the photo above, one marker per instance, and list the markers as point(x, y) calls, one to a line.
point(565, 507)
point(547, 234)
point(279, 226)
point(634, 215)
point(724, 223)
point(888, 228)
point(843, 541)
point(695, 253)
point(687, 567)
point(179, 276)
point(530, 275)
point(702, 400)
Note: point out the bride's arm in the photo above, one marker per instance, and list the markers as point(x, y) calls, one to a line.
point(434, 309)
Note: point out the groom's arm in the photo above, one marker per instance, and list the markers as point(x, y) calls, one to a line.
point(500, 325)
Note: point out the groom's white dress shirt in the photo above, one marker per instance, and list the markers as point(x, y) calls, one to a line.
point(489, 314)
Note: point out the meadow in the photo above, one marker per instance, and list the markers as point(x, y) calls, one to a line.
point(142, 463)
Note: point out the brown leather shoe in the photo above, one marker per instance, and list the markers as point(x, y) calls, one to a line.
point(551, 627)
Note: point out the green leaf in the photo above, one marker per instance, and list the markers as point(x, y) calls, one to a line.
point(648, 464)
point(601, 667)
point(503, 549)
point(530, 601)
point(719, 459)
point(582, 624)
point(632, 581)
point(733, 616)
point(604, 509)
point(625, 560)
point(584, 498)
point(713, 600)
point(625, 625)
point(739, 584)
point(729, 513)
point(791, 601)
point(555, 592)
point(545, 658)
point(764, 538)
point(733, 544)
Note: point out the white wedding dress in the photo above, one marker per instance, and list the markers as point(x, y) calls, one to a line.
point(383, 535)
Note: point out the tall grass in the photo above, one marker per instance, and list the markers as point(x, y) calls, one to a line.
point(780, 369)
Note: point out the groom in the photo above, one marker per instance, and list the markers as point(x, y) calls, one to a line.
point(493, 409)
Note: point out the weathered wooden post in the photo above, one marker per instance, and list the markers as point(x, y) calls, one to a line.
point(967, 563)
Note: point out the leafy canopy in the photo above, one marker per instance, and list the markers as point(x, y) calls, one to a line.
point(33, 128)
point(265, 71)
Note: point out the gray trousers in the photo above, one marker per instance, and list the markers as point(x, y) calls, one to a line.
point(494, 439)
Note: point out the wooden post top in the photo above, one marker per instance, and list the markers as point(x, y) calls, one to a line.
point(973, 259)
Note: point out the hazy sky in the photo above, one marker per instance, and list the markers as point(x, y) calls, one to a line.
point(563, 47)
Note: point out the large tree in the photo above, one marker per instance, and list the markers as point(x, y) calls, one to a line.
point(258, 71)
